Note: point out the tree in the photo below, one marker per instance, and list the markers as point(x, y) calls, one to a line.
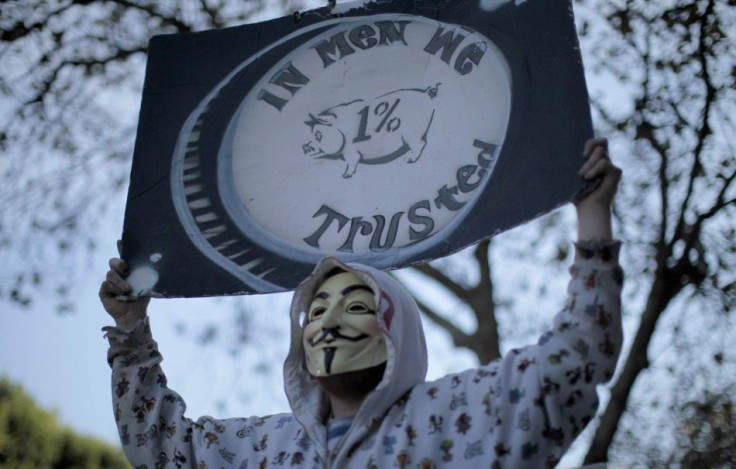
point(662, 79)
point(679, 126)
point(31, 437)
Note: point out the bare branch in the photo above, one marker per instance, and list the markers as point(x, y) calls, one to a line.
point(720, 202)
point(212, 14)
point(459, 338)
point(704, 130)
point(170, 20)
point(20, 30)
point(46, 85)
point(442, 279)
point(605, 115)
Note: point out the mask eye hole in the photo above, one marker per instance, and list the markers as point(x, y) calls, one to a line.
point(316, 312)
point(358, 307)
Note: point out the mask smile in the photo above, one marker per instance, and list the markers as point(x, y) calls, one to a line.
point(331, 334)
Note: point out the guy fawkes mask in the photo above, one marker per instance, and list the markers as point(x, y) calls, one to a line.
point(342, 333)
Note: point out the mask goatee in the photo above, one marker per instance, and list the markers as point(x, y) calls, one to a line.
point(329, 356)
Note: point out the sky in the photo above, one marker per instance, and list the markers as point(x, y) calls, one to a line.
point(61, 359)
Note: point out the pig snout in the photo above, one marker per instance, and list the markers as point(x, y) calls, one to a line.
point(310, 149)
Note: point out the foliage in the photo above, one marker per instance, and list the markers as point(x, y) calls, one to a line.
point(709, 430)
point(31, 437)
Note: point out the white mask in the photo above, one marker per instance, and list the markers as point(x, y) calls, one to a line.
point(342, 333)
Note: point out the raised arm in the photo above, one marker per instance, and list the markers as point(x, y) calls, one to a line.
point(594, 210)
point(125, 313)
point(527, 408)
point(150, 417)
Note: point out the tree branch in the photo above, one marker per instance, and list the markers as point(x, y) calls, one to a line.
point(442, 279)
point(171, 20)
point(704, 130)
point(212, 14)
point(20, 30)
point(46, 84)
point(605, 115)
point(459, 338)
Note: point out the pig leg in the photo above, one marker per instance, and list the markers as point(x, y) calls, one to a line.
point(416, 145)
point(352, 158)
point(415, 150)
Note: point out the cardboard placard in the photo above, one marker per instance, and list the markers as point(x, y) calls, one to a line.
point(387, 134)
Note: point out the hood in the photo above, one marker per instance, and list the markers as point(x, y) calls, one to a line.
point(398, 317)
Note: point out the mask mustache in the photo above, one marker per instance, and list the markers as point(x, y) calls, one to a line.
point(334, 334)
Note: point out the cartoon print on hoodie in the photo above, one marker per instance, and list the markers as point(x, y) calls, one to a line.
point(521, 411)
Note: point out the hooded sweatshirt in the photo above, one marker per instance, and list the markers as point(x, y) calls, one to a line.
point(523, 410)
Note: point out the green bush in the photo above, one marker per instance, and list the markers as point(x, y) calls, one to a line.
point(32, 438)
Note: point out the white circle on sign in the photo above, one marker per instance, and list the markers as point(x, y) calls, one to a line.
point(379, 133)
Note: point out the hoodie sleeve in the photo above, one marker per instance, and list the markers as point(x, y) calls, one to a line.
point(547, 392)
point(150, 417)
point(526, 409)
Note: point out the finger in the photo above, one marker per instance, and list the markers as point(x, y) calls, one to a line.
point(594, 143)
point(608, 172)
point(103, 291)
point(598, 168)
point(613, 176)
point(599, 154)
point(118, 281)
point(119, 266)
point(110, 290)
point(609, 183)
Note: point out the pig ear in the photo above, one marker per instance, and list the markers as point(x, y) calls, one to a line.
point(327, 118)
point(315, 121)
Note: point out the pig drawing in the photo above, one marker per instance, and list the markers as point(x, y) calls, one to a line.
point(376, 131)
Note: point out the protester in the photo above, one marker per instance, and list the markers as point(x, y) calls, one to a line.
point(355, 374)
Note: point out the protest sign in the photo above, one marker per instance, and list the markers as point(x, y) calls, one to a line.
point(387, 134)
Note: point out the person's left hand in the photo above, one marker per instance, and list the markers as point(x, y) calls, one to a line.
point(598, 164)
point(594, 206)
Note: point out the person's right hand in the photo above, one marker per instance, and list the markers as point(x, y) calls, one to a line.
point(125, 313)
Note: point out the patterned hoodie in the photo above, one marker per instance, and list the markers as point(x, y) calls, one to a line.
point(521, 411)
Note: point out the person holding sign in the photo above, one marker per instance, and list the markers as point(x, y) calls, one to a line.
point(355, 374)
